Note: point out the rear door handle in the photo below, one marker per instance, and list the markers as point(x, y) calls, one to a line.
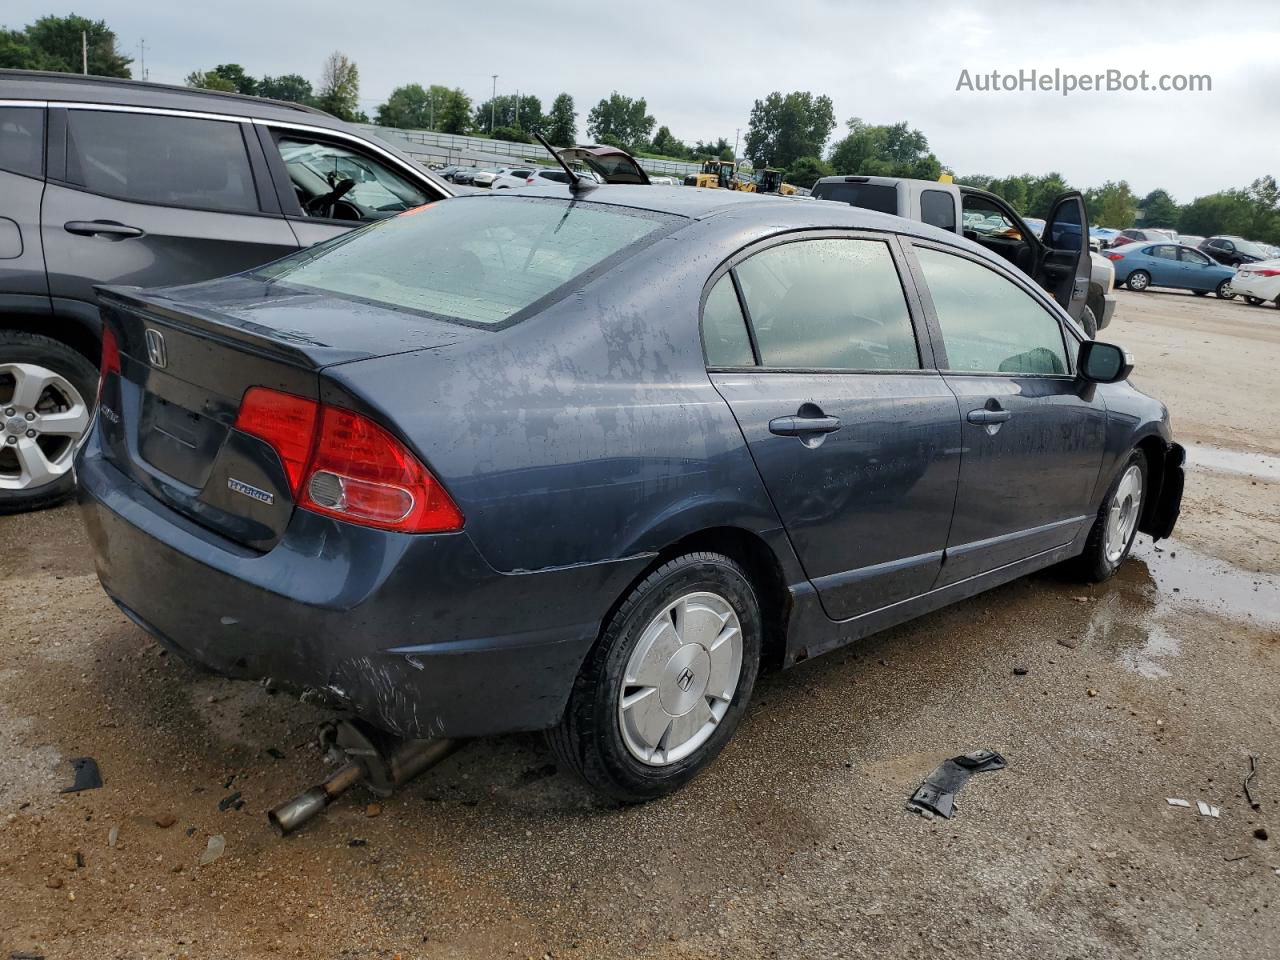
point(800, 426)
point(101, 228)
point(985, 416)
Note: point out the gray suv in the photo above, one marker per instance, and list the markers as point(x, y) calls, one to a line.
point(115, 181)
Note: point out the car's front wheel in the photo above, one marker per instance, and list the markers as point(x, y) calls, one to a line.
point(46, 398)
point(1139, 280)
point(663, 690)
point(1116, 525)
point(1224, 291)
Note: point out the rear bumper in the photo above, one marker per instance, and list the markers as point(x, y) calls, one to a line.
point(417, 634)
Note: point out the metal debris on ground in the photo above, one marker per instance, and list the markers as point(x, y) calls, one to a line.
point(229, 801)
point(113, 836)
point(88, 777)
point(938, 792)
point(217, 844)
point(1207, 809)
point(1248, 793)
point(1177, 802)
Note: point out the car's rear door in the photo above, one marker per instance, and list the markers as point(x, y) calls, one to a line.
point(1033, 432)
point(1165, 267)
point(154, 198)
point(816, 345)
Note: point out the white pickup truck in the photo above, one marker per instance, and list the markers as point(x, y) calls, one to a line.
point(1058, 258)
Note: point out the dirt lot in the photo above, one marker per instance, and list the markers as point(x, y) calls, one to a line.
point(795, 844)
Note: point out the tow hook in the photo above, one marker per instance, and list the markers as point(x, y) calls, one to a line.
point(379, 760)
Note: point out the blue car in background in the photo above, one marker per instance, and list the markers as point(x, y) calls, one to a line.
point(1143, 265)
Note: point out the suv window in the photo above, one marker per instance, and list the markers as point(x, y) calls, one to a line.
point(148, 158)
point(937, 207)
point(317, 167)
point(724, 329)
point(22, 140)
point(988, 323)
point(829, 303)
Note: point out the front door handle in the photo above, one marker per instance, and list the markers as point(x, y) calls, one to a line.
point(101, 228)
point(984, 416)
point(802, 426)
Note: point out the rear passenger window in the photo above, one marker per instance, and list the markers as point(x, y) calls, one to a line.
point(989, 324)
point(831, 303)
point(939, 209)
point(22, 140)
point(724, 330)
point(148, 158)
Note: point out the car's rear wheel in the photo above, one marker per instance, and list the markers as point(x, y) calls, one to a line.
point(1224, 291)
point(1116, 526)
point(663, 690)
point(1139, 280)
point(46, 398)
point(1253, 301)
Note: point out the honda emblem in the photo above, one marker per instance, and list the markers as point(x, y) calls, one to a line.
point(156, 351)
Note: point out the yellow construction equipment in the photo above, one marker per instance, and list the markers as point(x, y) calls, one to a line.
point(769, 180)
point(719, 173)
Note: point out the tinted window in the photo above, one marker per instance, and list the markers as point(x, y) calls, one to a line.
point(479, 260)
point(938, 208)
point(22, 140)
point(724, 330)
point(176, 161)
point(990, 325)
point(1163, 252)
point(1192, 256)
point(872, 196)
point(1067, 230)
point(559, 176)
point(316, 167)
point(829, 303)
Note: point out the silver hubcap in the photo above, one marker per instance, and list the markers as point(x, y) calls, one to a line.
point(41, 422)
point(1122, 516)
point(1138, 282)
point(680, 679)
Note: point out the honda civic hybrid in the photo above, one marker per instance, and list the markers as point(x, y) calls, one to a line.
point(585, 462)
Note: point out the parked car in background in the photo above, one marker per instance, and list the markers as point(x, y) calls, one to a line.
point(1060, 262)
point(1259, 282)
point(1135, 235)
point(1142, 265)
point(447, 172)
point(341, 481)
point(1104, 236)
point(1233, 251)
point(1190, 240)
point(116, 181)
point(463, 176)
point(504, 177)
point(664, 181)
point(545, 176)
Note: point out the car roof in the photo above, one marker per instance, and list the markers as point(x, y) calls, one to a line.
point(42, 85)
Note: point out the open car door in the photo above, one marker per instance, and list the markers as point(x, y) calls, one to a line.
point(1065, 265)
point(611, 164)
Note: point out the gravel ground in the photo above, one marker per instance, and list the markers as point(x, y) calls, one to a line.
point(795, 844)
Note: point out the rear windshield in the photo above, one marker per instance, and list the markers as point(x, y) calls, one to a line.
point(475, 260)
point(871, 196)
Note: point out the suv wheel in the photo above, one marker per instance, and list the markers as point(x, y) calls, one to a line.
point(46, 398)
point(662, 692)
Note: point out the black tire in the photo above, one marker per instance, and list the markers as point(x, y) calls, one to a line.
point(1090, 323)
point(17, 346)
point(1253, 301)
point(1223, 291)
point(1201, 293)
point(589, 740)
point(1092, 565)
point(1138, 281)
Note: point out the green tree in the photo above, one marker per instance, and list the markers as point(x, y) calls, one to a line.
point(508, 110)
point(339, 92)
point(225, 76)
point(667, 144)
point(1014, 190)
point(54, 43)
point(719, 149)
point(410, 107)
point(1159, 209)
point(1226, 212)
point(1112, 205)
point(455, 113)
point(1042, 191)
point(893, 150)
point(562, 125)
point(806, 171)
point(513, 134)
point(289, 86)
point(621, 121)
point(784, 128)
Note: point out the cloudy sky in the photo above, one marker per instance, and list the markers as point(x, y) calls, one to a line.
point(700, 66)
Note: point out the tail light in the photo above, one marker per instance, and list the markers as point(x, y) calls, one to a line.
point(1265, 273)
point(531, 181)
point(110, 358)
point(1114, 256)
point(343, 465)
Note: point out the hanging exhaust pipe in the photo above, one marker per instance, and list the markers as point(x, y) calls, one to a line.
point(379, 768)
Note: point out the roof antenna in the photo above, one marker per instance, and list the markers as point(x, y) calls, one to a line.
point(577, 182)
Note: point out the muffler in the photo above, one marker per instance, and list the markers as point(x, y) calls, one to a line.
point(379, 761)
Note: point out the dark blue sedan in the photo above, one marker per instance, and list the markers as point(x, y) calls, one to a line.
point(533, 462)
point(1142, 265)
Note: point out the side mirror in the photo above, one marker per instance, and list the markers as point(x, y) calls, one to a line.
point(1103, 362)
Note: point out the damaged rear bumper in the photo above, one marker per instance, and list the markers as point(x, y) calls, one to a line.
point(417, 634)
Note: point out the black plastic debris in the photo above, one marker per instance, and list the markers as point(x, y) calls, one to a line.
point(88, 776)
point(229, 801)
point(938, 792)
point(1248, 793)
point(274, 753)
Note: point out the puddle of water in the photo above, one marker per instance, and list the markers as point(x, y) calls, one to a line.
point(1183, 575)
point(1258, 465)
